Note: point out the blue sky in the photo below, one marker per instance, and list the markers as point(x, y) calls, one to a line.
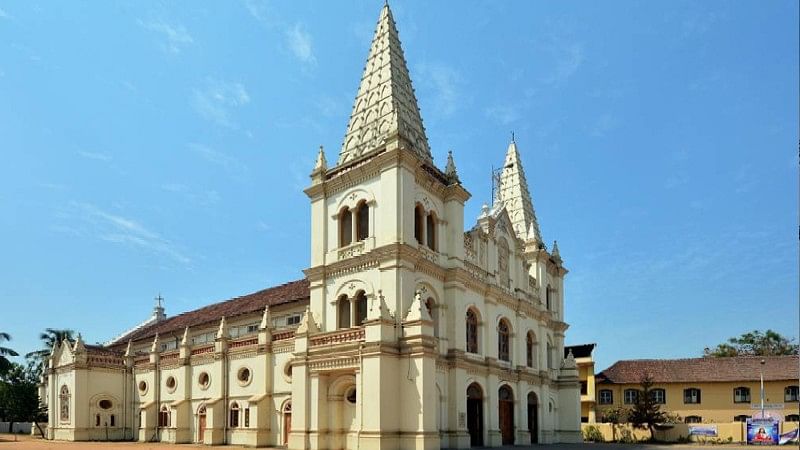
point(163, 146)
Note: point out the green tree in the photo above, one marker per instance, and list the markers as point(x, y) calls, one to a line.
point(646, 412)
point(38, 358)
point(19, 399)
point(5, 352)
point(755, 343)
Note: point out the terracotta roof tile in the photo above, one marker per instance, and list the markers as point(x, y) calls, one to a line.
point(693, 370)
point(293, 291)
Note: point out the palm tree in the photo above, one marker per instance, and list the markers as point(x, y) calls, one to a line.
point(5, 364)
point(49, 338)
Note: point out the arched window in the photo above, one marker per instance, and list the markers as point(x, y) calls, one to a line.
point(790, 394)
point(343, 309)
point(234, 419)
point(503, 336)
point(430, 305)
point(163, 417)
point(64, 403)
point(691, 395)
point(419, 218)
point(430, 230)
point(361, 308)
point(659, 396)
point(362, 221)
point(472, 332)
point(345, 227)
point(693, 419)
point(530, 349)
point(547, 294)
point(549, 354)
point(502, 263)
point(631, 396)
point(741, 395)
point(606, 397)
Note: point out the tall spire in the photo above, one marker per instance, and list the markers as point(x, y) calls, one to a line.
point(385, 104)
point(514, 194)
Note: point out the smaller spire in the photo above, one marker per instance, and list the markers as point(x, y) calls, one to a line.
point(185, 339)
point(484, 211)
point(307, 323)
point(154, 347)
point(450, 169)
point(322, 164)
point(265, 319)
point(223, 328)
point(79, 344)
point(417, 310)
point(129, 349)
point(555, 249)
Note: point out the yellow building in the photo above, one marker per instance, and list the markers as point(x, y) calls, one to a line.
point(706, 390)
point(583, 358)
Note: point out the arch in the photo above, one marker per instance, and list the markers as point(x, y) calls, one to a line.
point(286, 412)
point(345, 227)
point(343, 311)
point(361, 308)
point(504, 340)
point(472, 331)
point(530, 349)
point(164, 417)
point(475, 414)
point(533, 416)
point(505, 410)
point(362, 220)
point(338, 387)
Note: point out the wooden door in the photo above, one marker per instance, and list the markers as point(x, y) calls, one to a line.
point(506, 413)
point(287, 427)
point(533, 419)
point(475, 415)
point(201, 427)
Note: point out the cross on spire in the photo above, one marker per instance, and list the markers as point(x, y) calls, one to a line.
point(159, 299)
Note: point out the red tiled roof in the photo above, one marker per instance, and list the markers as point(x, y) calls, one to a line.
point(293, 291)
point(693, 370)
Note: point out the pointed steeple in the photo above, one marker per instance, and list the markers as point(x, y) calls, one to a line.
point(129, 349)
point(450, 169)
point(222, 332)
point(79, 347)
point(154, 346)
point(185, 339)
point(385, 104)
point(322, 164)
point(265, 318)
point(513, 193)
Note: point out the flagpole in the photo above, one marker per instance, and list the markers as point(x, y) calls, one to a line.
point(762, 389)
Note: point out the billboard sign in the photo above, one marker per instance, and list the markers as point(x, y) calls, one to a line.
point(762, 432)
point(703, 430)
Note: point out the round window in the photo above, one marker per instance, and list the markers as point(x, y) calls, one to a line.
point(203, 380)
point(171, 383)
point(351, 396)
point(142, 386)
point(105, 404)
point(243, 375)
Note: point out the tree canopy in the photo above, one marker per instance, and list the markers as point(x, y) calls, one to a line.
point(38, 358)
point(5, 352)
point(755, 343)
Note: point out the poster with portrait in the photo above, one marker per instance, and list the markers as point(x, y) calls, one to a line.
point(762, 432)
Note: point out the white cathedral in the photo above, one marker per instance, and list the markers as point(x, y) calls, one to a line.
point(406, 332)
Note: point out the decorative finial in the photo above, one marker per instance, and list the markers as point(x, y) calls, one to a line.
point(484, 210)
point(307, 323)
point(79, 344)
point(185, 340)
point(221, 332)
point(265, 318)
point(158, 300)
point(417, 310)
point(322, 164)
point(154, 347)
point(450, 169)
point(512, 136)
point(129, 349)
point(555, 249)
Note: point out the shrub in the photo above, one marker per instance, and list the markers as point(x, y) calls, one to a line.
point(593, 434)
point(626, 436)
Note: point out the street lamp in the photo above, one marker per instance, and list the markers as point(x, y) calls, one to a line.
point(762, 387)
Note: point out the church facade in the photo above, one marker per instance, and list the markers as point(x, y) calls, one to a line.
point(406, 333)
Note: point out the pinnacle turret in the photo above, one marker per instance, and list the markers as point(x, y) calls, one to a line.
point(385, 105)
point(450, 169)
point(513, 194)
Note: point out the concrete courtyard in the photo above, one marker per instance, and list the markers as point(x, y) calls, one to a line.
point(29, 443)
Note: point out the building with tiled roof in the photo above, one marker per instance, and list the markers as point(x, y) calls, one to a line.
point(706, 389)
point(406, 333)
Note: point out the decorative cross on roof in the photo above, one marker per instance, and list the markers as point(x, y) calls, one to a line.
point(159, 299)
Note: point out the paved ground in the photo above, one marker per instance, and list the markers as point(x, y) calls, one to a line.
point(28, 443)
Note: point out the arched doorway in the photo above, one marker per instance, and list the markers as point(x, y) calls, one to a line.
point(533, 417)
point(475, 414)
point(201, 423)
point(287, 422)
point(506, 414)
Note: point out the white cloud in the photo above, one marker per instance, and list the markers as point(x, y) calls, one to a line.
point(259, 10)
point(216, 157)
point(118, 229)
point(299, 42)
point(216, 100)
point(176, 36)
point(3, 14)
point(444, 81)
point(95, 156)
